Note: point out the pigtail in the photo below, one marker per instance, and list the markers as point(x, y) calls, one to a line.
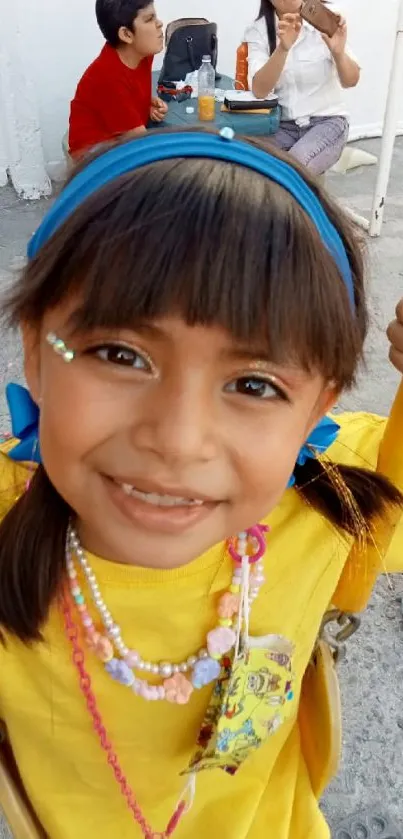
point(32, 558)
point(346, 495)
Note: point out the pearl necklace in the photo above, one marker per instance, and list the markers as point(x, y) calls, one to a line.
point(200, 669)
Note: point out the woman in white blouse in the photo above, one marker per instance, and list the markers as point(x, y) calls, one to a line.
point(307, 71)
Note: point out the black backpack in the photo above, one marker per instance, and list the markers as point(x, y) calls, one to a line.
point(187, 40)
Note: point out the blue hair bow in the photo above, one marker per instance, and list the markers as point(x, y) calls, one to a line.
point(24, 414)
point(321, 438)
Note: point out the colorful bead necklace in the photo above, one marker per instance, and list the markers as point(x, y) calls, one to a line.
point(233, 610)
point(178, 679)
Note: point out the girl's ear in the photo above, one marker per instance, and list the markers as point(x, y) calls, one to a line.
point(329, 398)
point(31, 343)
point(325, 403)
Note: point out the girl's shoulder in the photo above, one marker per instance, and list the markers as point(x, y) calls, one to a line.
point(13, 476)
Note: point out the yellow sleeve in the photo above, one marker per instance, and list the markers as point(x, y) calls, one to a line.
point(394, 556)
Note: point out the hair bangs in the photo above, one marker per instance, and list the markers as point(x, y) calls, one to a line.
point(213, 243)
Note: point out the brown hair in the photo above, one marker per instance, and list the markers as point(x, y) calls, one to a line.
point(268, 12)
point(218, 244)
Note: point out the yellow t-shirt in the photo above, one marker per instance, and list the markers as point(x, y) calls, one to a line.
point(166, 615)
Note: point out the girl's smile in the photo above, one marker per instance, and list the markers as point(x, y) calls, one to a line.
point(164, 511)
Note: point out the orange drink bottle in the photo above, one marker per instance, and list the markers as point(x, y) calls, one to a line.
point(206, 90)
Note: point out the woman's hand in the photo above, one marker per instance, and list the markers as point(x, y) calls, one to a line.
point(265, 80)
point(158, 110)
point(337, 43)
point(289, 28)
point(347, 68)
point(395, 335)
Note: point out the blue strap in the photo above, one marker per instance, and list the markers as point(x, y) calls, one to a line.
point(154, 147)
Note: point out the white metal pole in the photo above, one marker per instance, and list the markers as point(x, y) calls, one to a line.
point(394, 100)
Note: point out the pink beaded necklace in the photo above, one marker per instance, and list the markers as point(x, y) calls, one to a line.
point(105, 743)
point(234, 607)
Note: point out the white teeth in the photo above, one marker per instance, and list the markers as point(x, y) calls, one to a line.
point(160, 500)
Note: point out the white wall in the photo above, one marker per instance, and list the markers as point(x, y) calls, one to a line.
point(61, 38)
point(20, 136)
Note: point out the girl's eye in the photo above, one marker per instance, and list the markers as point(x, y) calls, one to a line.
point(256, 387)
point(121, 356)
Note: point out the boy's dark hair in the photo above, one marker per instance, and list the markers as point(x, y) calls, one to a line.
point(113, 14)
point(221, 245)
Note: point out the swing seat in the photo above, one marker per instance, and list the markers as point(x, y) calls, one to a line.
point(14, 804)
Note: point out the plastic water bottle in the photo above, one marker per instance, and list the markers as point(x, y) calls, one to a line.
point(206, 90)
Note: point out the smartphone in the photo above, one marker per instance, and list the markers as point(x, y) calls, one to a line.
point(320, 17)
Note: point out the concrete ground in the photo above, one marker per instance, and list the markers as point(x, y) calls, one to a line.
point(372, 676)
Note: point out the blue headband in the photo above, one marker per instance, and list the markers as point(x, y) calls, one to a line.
point(154, 147)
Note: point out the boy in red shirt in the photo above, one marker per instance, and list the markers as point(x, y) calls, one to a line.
point(114, 95)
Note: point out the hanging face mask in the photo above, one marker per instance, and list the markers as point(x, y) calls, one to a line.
point(252, 698)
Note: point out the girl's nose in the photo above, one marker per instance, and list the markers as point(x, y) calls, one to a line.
point(181, 428)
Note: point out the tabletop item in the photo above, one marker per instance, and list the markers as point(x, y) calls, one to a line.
point(206, 90)
point(187, 40)
point(262, 112)
point(243, 123)
point(170, 92)
point(242, 67)
point(240, 100)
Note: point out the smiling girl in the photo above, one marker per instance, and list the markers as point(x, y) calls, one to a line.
point(191, 309)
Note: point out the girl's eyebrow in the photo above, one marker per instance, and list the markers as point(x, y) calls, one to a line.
point(258, 354)
point(255, 355)
point(261, 355)
point(76, 326)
